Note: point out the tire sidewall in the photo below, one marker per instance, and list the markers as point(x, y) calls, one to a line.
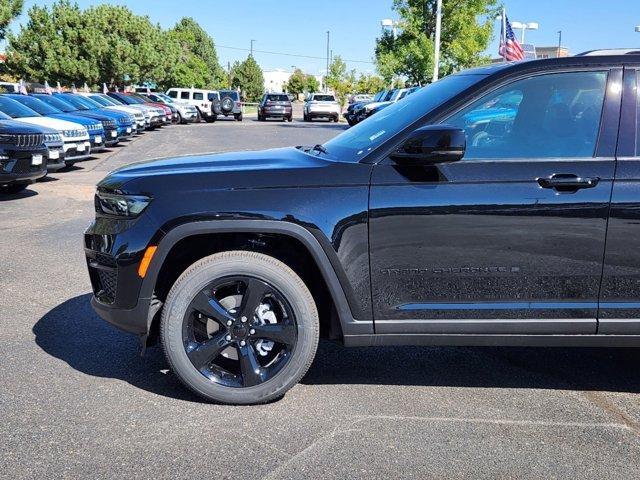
point(264, 268)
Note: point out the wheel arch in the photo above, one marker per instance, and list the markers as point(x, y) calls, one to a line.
point(343, 313)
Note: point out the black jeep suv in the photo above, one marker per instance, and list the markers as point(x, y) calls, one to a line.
point(23, 153)
point(496, 206)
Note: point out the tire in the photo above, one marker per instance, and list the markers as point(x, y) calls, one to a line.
point(238, 117)
point(210, 119)
point(305, 117)
point(289, 118)
point(179, 121)
point(179, 318)
point(13, 189)
point(226, 105)
point(198, 116)
point(260, 118)
point(336, 119)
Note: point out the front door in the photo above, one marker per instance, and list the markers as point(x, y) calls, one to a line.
point(511, 238)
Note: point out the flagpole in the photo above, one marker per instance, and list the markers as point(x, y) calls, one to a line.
point(503, 33)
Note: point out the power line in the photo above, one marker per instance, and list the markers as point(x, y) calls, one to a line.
point(289, 54)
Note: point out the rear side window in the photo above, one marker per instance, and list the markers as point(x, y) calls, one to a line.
point(198, 96)
point(173, 94)
point(544, 116)
point(184, 95)
point(231, 94)
point(212, 97)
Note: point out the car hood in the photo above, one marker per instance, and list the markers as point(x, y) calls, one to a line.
point(14, 127)
point(51, 123)
point(282, 167)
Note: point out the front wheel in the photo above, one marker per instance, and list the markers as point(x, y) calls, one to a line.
point(239, 327)
point(238, 117)
point(210, 119)
point(179, 120)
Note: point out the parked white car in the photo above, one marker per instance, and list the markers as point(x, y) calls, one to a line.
point(75, 137)
point(321, 105)
point(199, 98)
point(186, 113)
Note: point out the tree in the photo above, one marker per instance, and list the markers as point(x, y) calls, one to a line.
point(297, 82)
point(196, 49)
point(467, 27)
point(248, 77)
point(341, 81)
point(9, 9)
point(312, 84)
point(369, 84)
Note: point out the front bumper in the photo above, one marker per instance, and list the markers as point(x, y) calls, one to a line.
point(19, 169)
point(74, 151)
point(125, 131)
point(55, 158)
point(97, 142)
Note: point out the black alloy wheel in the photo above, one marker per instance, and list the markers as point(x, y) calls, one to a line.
point(239, 327)
point(244, 344)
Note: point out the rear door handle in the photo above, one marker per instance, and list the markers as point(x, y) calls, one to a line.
point(568, 182)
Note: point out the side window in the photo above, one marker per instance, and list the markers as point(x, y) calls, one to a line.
point(184, 95)
point(173, 94)
point(545, 116)
point(198, 96)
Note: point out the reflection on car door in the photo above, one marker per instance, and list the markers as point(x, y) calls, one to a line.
point(511, 238)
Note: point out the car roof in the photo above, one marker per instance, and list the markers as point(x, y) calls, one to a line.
point(575, 61)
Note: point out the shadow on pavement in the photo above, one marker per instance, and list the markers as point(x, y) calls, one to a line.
point(5, 197)
point(72, 332)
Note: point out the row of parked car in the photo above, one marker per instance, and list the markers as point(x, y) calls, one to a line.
point(46, 132)
point(366, 106)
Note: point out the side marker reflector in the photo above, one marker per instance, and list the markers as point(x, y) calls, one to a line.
point(146, 260)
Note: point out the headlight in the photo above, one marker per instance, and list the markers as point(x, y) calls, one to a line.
point(121, 205)
point(8, 139)
point(52, 137)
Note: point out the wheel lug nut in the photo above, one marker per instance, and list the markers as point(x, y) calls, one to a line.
point(228, 338)
point(252, 331)
point(229, 322)
point(243, 319)
point(243, 343)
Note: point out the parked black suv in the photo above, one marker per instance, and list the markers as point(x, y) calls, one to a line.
point(475, 212)
point(23, 154)
point(275, 105)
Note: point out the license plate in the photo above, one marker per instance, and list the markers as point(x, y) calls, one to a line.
point(36, 160)
point(54, 155)
point(128, 129)
point(80, 147)
point(98, 139)
point(114, 133)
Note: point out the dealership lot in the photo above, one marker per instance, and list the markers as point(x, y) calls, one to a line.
point(77, 400)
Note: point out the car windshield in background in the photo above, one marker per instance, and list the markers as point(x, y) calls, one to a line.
point(278, 98)
point(15, 109)
point(355, 143)
point(324, 98)
point(164, 97)
point(102, 101)
point(90, 102)
point(56, 102)
point(36, 105)
point(74, 101)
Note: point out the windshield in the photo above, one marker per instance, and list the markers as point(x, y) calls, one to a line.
point(101, 100)
point(15, 109)
point(90, 102)
point(111, 101)
point(129, 100)
point(324, 98)
point(56, 102)
point(73, 101)
point(355, 143)
point(164, 98)
point(140, 98)
point(36, 105)
point(379, 95)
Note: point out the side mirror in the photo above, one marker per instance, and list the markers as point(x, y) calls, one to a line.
point(432, 144)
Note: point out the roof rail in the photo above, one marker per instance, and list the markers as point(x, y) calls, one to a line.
point(610, 51)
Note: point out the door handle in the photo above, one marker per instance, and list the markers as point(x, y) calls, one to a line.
point(568, 182)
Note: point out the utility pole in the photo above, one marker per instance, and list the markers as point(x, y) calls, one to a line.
point(327, 72)
point(559, 42)
point(252, 47)
point(436, 55)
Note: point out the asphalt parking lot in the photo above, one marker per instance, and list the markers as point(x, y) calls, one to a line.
point(76, 400)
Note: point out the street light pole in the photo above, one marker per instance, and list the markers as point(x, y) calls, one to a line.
point(436, 56)
point(252, 47)
point(327, 71)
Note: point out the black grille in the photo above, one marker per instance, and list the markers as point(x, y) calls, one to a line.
point(106, 288)
point(19, 166)
point(106, 260)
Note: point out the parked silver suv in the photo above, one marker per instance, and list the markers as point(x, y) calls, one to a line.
point(228, 104)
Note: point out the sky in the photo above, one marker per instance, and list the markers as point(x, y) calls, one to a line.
point(297, 27)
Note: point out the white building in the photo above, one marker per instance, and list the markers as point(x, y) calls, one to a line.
point(274, 80)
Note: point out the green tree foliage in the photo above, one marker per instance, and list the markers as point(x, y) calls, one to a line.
point(108, 43)
point(9, 9)
point(369, 84)
point(247, 76)
point(300, 82)
point(467, 27)
point(341, 81)
point(197, 64)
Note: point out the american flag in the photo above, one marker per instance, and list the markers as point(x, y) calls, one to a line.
point(47, 89)
point(22, 88)
point(510, 48)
